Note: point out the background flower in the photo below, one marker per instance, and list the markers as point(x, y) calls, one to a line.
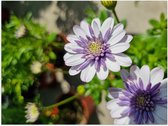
point(36, 67)
point(32, 112)
point(144, 99)
point(96, 49)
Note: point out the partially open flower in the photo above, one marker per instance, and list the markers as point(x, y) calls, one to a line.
point(144, 99)
point(96, 49)
point(36, 67)
point(21, 31)
point(59, 75)
point(109, 4)
point(32, 112)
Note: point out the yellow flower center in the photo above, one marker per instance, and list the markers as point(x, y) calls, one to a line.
point(141, 100)
point(95, 47)
point(34, 110)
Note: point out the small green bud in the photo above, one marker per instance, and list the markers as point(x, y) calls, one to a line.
point(52, 55)
point(109, 4)
point(81, 89)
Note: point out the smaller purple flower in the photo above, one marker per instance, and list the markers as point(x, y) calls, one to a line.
point(96, 49)
point(144, 99)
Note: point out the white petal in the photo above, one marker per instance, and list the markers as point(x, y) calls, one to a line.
point(124, 74)
point(158, 120)
point(123, 59)
point(134, 71)
point(157, 75)
point(163, 89)
point(108, 23)
point(95, 28)
point(145, 75)
point(163, 93)
point(112, 104)
point(120, 47)
point(73, 71)
point(69, 47)
point(67, 55)
point(115, 94)
point(164, 83)
point(161, 112)
point(129, 38)
point(97, 21)
point(79, 31)
point(117, 29)
point(73, 59)
point(122, 121)
point(126, 39)
point(72, 38)
point(85, 26)
point(102, 74)
point(112, 65)
point(116, 38)
point(88, 73)
point(116, 110)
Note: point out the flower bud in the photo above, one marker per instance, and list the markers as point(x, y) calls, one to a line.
point(21, 31)
point(109, 4)
point(36, 67)
point(81, 89)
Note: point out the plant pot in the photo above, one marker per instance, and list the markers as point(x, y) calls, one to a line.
point(77, 111)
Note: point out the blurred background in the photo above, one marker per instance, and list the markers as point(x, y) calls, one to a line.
point(36, 31)
point(54, 15)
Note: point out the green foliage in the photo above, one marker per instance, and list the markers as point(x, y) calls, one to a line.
point(150, 48)
point(94, 89)
point(13, 115)
point(158, 26)
point(96, 86)
point(18, 53)
point(90, 14)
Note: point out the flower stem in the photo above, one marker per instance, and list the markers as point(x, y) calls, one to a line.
point(62, 102)
point(115, 15)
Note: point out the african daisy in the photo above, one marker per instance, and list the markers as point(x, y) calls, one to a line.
point(144, 99)
point(96, 49)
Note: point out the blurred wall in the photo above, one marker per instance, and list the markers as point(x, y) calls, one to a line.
point(60, 16)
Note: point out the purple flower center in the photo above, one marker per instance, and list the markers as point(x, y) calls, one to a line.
point(143, 101)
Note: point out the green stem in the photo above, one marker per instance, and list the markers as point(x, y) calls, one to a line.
point(115, 15)
point(58, 44)
point(62, 102)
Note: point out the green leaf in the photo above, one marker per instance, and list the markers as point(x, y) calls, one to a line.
point(103, 15)
point(154, 23)
point(51, 37)
point(52, 55)
point(124, 22)
point(13, 115)
point(162, 17)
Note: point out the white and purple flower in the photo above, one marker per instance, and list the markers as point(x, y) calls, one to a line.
point(32, 112)
point(144, 99)
point(96, 49)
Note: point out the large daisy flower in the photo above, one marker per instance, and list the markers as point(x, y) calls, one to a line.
point(32, 112)
point(96, 49)
point(144, 99)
